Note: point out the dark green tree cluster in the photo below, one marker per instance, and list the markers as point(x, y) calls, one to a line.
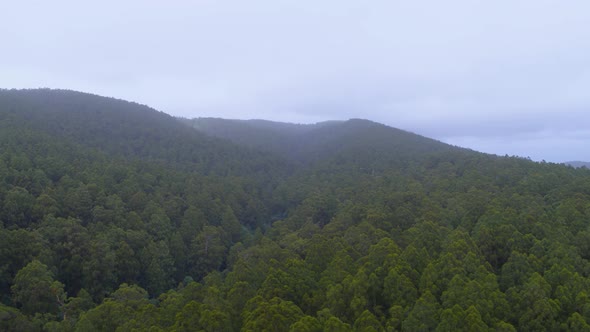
point(115, 217)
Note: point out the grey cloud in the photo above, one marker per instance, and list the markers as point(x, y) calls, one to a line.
point(535, 146)
point(477, 72)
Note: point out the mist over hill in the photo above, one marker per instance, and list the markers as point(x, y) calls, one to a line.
point(314, 142)
point(114, 216)
point(578, 164)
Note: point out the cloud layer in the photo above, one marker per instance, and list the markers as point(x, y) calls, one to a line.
point(507, 77)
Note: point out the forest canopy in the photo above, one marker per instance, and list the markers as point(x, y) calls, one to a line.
point(117, 217)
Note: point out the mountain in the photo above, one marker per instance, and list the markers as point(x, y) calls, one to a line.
point(114, 216)
point(578, 164)
point(121, 128)
point(261, 134)
point(363, 139)
point(78, 161)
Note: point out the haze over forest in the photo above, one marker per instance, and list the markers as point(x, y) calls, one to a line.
point(501, 77)
point(117, 217)
point(295, 165)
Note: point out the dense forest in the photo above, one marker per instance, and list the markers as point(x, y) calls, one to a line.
point(117, 217)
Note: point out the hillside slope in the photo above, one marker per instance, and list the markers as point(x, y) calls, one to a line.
point(363, 139)
point(277, 137)
point(122, 128)
point(114, 216)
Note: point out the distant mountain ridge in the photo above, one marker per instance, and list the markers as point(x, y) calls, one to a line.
point(277, 137)
point(578, 164)
point(359, 139)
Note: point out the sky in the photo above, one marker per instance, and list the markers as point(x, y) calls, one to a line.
point(504, 76)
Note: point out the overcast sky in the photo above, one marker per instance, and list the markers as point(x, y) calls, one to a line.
point(502, 76)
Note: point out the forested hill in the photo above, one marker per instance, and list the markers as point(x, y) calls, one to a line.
point(116, 217)
point(314, 142)
point(121, 128)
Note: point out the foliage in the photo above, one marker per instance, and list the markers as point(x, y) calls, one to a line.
point(339, 226)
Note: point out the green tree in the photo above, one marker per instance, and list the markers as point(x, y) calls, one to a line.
point(18, 207)
point(451, 319)
point(577, 323)
point(306, 324)
point(207, 250)
point(333, 324)
point(399, 289)
point(424, 315)
point(116, 310)
point(273, 315)
point(35, 291)
point(367, 322)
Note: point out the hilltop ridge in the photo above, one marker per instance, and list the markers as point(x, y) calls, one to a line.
point(312, 142)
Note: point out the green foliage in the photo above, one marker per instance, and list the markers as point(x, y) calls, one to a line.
point(338, 226)
point(424, 315)
point(35, 291)
point(273, 315)
point(367, 322)
point(306, 324)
